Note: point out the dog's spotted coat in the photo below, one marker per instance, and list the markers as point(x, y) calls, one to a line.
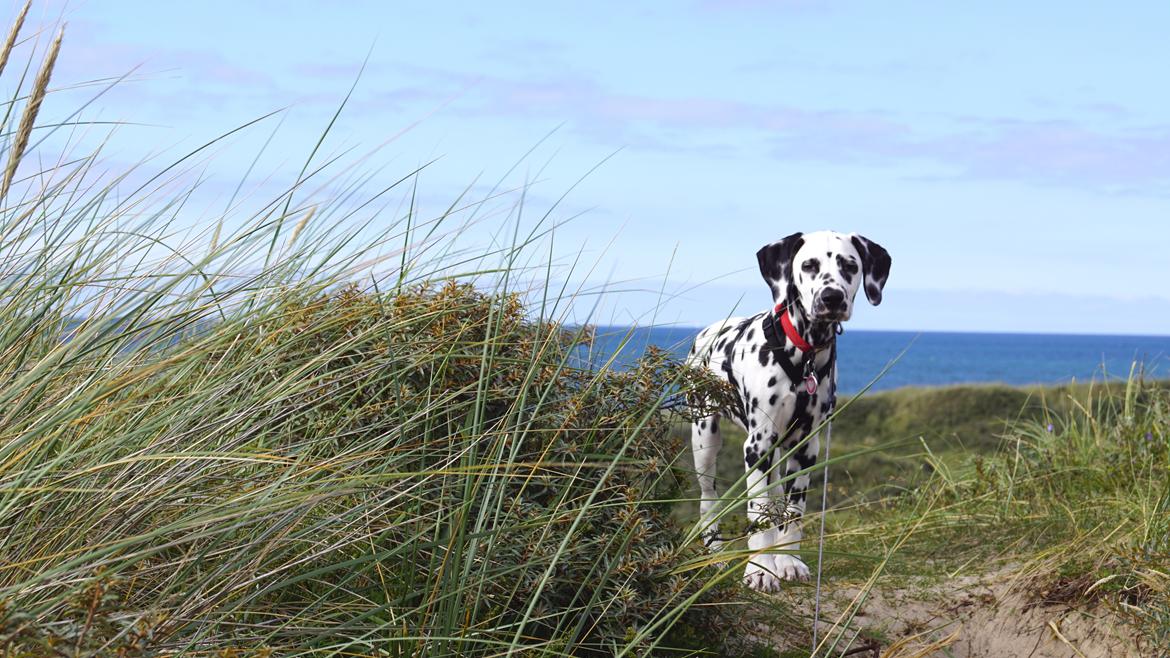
point(814, 278)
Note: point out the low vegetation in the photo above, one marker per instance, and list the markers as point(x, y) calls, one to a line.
point(1062, 494)
point(416, 472)
point(1076, 502)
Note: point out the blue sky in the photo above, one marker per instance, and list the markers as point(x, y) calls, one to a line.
point(1014, 158)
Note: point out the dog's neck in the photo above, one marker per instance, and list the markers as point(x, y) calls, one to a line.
point(800, 364)
point(818, 334)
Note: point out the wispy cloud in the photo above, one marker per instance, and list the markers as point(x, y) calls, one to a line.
point(1040, 152)
point(1100, 150)
point(1046, 152)
point(789, 6)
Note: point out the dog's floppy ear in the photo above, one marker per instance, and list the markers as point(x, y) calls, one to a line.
point(875, 266)
point(776, 264)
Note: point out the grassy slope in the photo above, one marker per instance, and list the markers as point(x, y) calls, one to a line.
point(1076, 506)
point(906, 432)
point(978, 482)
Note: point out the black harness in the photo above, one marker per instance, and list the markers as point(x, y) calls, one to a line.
point(775, 342)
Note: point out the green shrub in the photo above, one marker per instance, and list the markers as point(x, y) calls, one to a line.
point(417, 470)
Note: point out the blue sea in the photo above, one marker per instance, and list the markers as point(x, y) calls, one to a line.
point(939, 358)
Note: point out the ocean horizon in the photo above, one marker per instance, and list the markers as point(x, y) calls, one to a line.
point(936, 358)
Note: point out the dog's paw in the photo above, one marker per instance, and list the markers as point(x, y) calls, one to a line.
point(759, 578)
point(789, 567)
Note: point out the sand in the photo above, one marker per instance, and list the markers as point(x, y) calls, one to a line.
point(991, 616)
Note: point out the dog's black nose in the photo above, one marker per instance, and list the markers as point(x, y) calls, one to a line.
point(833, 299)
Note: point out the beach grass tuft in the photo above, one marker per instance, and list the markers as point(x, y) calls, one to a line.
point(344, 447)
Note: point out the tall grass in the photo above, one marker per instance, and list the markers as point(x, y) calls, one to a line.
point(1073, 504)
point(316, 444)
point(1094, 486)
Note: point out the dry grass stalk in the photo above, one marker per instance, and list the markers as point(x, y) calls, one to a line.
point(11, 42)
point(902, 648)
point(29, 118)
point(215, 236)
point(300, 227)
point(1060, 636)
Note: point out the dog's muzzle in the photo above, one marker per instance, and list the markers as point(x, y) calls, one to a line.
point(830, 304)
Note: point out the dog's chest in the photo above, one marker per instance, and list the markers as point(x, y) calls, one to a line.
point(771, 400)
point(766, 391)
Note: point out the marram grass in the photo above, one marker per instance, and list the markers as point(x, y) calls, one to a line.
point(415, 473)
point(200, 455)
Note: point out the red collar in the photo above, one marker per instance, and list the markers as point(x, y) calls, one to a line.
point(790, 331)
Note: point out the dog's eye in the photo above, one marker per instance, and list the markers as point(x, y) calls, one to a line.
point(810, 266)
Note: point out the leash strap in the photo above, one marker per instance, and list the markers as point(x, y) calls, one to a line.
point(821, 540)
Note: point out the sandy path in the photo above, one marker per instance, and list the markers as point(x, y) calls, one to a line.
point(979, 617)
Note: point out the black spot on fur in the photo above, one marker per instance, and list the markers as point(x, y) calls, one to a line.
point(750, 456)
point(805, 460)
point(771, 381)
point(772, 399)
point(848, 268)
point(738, 409)
point(759, 452)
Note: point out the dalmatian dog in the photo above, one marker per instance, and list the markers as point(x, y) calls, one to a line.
point(781, 365)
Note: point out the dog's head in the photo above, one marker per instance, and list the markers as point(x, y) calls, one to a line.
point(822, 271)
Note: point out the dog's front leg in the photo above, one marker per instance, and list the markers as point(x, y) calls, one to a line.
point(791, 498)
point(760, 572)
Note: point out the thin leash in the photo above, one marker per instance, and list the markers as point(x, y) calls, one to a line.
point(821, 539)
point(824, 507)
